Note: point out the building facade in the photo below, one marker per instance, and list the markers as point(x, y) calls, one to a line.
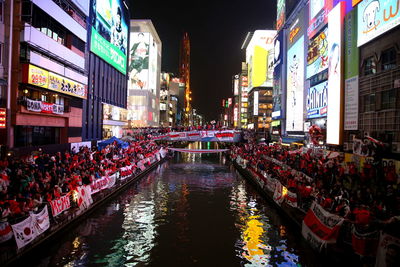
point(108, 32)
point(48, 82)
point(144, 75)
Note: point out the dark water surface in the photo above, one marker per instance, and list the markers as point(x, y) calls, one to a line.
point(194, 210)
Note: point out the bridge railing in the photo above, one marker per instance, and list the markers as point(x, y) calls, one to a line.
point(202, 136)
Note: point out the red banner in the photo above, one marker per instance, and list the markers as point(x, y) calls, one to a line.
point(320, 227)
point(59, 205)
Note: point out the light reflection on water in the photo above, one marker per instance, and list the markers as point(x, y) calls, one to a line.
point(191, 211)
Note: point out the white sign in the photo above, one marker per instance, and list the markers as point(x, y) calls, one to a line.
point(334, 75)
point(255, 107)
point(295, 87)
point(351, 104)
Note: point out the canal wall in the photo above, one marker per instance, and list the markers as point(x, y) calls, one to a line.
point(9, 252)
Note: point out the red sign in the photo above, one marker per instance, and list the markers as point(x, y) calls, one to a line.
point(3, 118)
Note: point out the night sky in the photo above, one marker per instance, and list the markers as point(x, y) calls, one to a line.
point(216, 30)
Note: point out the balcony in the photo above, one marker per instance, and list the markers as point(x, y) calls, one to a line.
point(41, 41)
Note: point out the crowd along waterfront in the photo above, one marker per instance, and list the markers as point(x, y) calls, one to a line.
point(193, 210)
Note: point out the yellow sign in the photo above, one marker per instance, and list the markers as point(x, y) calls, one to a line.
point(259, 74)
point(49, 80)
point(38, 76)
point(66, 86)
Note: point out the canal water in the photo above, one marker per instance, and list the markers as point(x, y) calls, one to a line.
point(194, 210)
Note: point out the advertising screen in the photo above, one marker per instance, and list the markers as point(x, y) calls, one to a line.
point(317, 100)
point(376, 17)
point(139, 60)
point(153, 65)
point(280, 13)
point(333, 129)
point(277, 82)
point(109, 38)
point(257, 55)
point(317, 56)
point(295, 86)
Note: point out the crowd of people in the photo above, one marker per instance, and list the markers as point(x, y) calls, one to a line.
point(27, 183)
point(366, 196)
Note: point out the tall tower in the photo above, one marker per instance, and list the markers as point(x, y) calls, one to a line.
point(184, 73)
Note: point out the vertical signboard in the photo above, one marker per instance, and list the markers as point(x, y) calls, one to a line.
point(109, 39)
point(139, 60)
point(153, 56)
point(277, 82)
point(376, 17)
point(3, 118)
point(351, 72)
point(317, 55)
point(255, 102)
point(334, 125)
point(280, 13)
point(295, 86)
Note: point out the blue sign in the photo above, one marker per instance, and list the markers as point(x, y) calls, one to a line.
point(277, 83)
point(317, 101)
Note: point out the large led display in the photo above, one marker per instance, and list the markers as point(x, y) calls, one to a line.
point(317, 56)
point(109, 38)
point(139, 60)
point(295, 86)
point(317, 100)
point(334, 126)
point(376, 17)
point(153, 65)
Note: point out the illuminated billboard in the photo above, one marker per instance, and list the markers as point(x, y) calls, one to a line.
point(277, 81)
point(109, 39)
point(317, 56)
point(317, 100)
point(255, 104)
point(334, 126)
point(280, 13)
point(295, 86)
point(376, 17)
point(139, 60)
point(256, 57)
point(153, 65)
point(315, 7)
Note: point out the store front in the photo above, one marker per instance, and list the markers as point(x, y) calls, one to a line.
point(115, 121)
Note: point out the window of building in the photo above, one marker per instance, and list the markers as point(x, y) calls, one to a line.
point(369, 66)
point(369, 103)
point(388, 99)
point(36, 135)
point(389, 59)
point(1, 10)
point(1, 53)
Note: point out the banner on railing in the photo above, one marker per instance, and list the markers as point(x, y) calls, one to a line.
point(388, 251)
point(6, 232)
point(203, 136)
point(364, 244)
point(198, 150)
point(42, 221)
point(59, 205)
point(27, 230)
point(320, 227)
point(126, 172)
point(291, 199)
point(279, 193)
point(83, 196)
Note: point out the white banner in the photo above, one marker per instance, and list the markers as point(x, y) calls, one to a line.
point(112, 179)
point(41, 221)
point(99, 184)
point(278, 193)
point(84, 197)
point(24, 232)
point(351, 104)
point(388, 253)
point(291, 199)
point(126, 172)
